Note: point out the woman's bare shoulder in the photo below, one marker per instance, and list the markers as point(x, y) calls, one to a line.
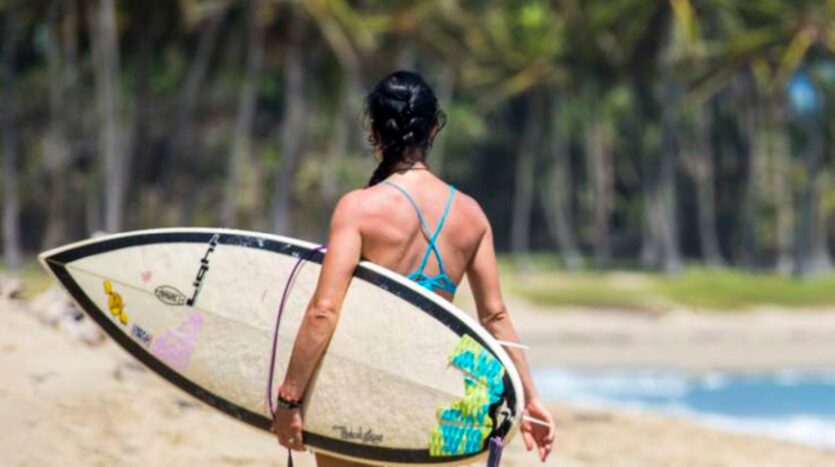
point(361, 203)
point(349, 206)
point(471, 212)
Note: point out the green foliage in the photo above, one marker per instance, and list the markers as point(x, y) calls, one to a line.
point(34, 277)
point(734, 290)
point(694, 289)
point(648, 73)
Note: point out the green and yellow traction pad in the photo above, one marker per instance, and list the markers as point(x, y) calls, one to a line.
point(463, 426)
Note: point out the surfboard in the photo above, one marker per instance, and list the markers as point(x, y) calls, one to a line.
point(407, 377)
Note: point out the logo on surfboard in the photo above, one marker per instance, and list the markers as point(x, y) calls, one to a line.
point(170, 295)
point(365, 436)
point(204, 268)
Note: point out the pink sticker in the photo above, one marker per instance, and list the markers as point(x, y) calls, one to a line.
point(175, 346)
point(146, 276)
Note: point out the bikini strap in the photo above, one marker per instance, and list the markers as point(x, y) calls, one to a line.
point(408, 196)
point(433, 239)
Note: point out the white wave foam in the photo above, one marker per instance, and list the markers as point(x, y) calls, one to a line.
point(790, 377)
point(565, 383)
point(804, 429)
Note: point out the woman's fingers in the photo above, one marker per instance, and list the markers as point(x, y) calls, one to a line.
point(296, 444)
point(544, 440)
point(552, 428)
point(288, 427)
point(544, 436)
point(529, 441)
point(294, 439)
point(544, 449)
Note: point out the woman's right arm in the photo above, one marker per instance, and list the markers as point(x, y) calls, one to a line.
point(483, 275)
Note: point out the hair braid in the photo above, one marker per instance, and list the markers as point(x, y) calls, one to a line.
point(403, 111)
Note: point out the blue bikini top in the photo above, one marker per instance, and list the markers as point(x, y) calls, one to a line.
point(440, 281)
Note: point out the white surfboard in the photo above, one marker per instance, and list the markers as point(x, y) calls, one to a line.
point(407, 378)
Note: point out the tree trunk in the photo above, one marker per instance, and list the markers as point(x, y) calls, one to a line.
point(12, 249)
point(106, 63)
point(820, 247)
point(666, 194)
point(523, 186)
point(781, 183)
point(344, 117)
point(74, 128)
point(445, 91)
point(807, 229)
point(701, 168)
point(138, 138)
point(242, 141)
point(650, 236)
point(293, 127)
point(181, 138)
point(599, 168)
point(660, 235)
point(56, 146)
point(557, 199)
point(660, 208)
point(750, 210)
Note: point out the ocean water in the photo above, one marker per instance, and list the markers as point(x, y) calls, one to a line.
point(791, 405)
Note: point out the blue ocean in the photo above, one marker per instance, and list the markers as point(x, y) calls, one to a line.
point(791, 405)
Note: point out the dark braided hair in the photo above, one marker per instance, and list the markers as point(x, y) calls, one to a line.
point(402, 111)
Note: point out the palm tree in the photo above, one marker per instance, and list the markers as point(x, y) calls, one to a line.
point(776, 39)
point(12, 250)
point(242, 138)
point(292, 132)
point(105, 40)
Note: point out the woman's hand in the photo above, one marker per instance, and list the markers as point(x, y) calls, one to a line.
point(288, 426)
point(536, 434)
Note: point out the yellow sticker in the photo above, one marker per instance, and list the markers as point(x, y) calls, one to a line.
point(115, 303)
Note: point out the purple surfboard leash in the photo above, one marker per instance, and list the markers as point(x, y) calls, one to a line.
point(496, 446)
point(284, 295)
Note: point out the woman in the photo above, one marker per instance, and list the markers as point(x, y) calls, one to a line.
point(410, 222)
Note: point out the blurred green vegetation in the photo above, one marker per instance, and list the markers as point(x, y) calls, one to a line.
point(35, 279)
point(727, 290)
point(542, 282)
point(616, 134)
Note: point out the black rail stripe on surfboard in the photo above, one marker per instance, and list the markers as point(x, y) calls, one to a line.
point(57, 264)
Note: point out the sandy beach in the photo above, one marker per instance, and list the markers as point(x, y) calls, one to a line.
point(687, 340)
point(68, 403)
point(682, 339)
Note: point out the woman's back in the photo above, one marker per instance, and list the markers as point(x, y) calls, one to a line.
point(393, 237)
point(410, 222)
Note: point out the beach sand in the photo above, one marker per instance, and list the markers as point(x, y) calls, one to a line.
point(759, 340)
point(64, 402)
point(685, 339)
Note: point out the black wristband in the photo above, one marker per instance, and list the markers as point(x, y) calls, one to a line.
point(289, 405)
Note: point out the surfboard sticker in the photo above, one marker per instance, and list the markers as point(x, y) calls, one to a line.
point(407, 377)
point(464, 427)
